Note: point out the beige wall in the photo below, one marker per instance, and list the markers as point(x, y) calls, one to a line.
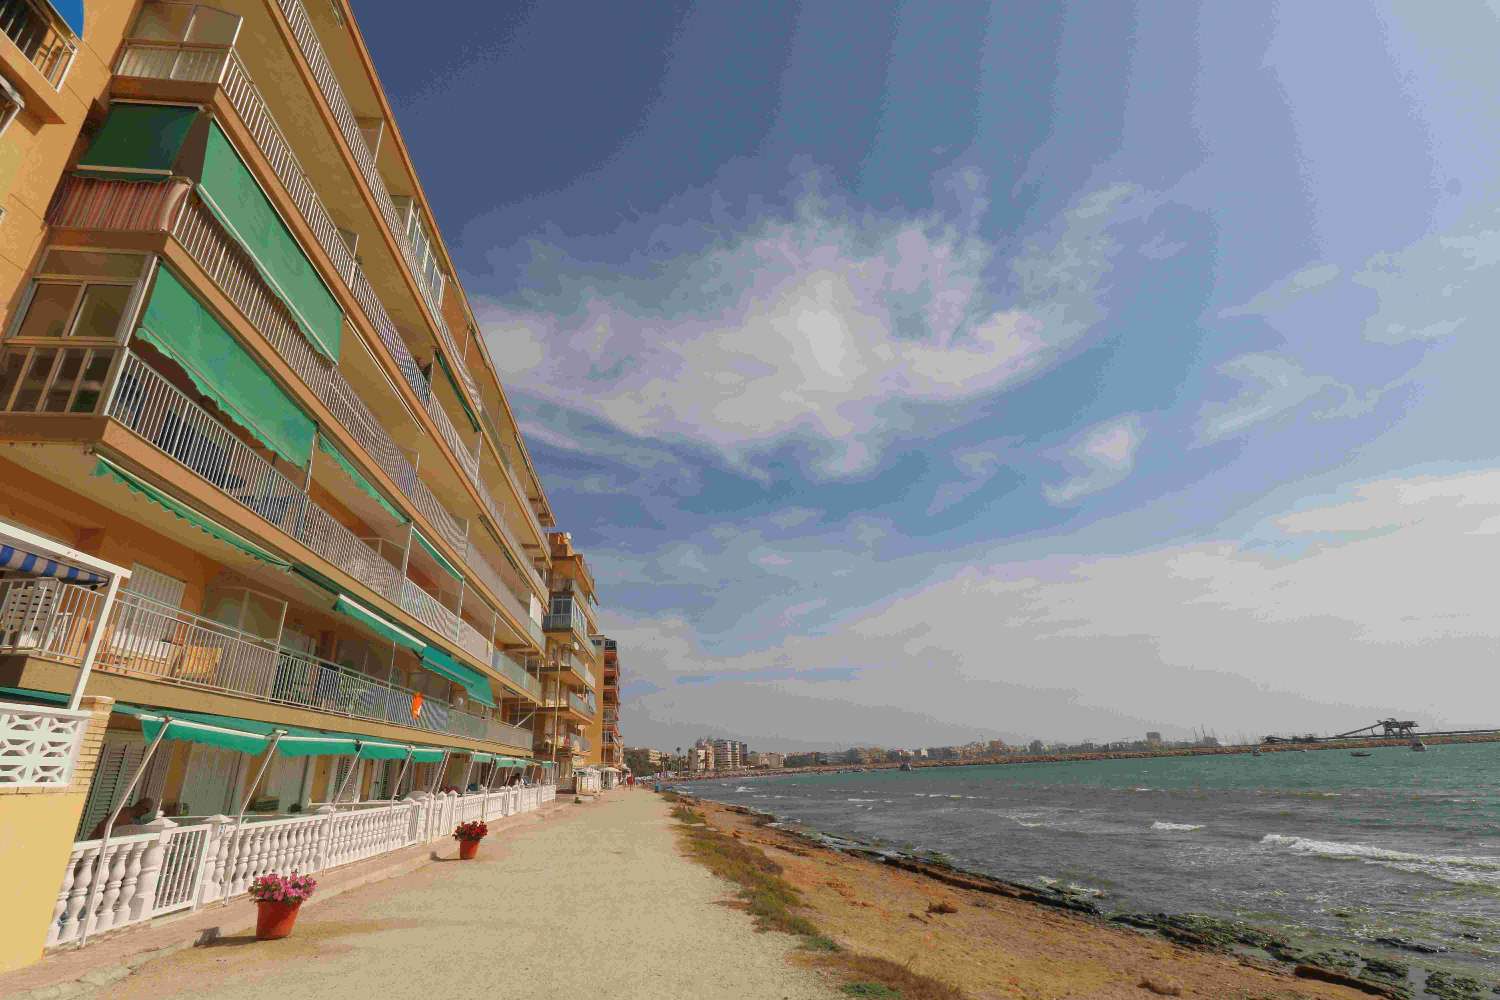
point(36, 836)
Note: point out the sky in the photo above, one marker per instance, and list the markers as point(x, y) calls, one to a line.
point(913, 373)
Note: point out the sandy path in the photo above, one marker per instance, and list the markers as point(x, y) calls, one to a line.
point(548, 910)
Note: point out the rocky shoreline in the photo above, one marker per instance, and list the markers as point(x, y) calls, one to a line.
point(1347, 966)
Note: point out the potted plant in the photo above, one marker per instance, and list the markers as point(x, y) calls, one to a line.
point(468, 836)
point(279, 897)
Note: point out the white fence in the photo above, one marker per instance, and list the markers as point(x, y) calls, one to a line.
point(39, 744)
point(163, 867)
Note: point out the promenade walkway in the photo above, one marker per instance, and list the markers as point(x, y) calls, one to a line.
point(593, 901)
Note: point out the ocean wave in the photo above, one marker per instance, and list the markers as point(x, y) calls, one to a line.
point(1184, 827)
point(744, 788)
point(861, 800)
point(1458, 869)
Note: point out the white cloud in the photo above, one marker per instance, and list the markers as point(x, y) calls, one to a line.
point(1282, 293)
point(812, 326)
point(1103, 455)
point(1436, 287)
point(1372, 602)
point(1272, 385)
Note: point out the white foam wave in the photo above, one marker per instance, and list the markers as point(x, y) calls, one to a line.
point(861, 800)
point(744, 788)
point(1458, 869)
point(1184, 827)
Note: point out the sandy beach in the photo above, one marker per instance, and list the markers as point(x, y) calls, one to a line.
point(546, 910)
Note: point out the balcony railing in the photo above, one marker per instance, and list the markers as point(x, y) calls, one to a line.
point(144, 638)
point(516, 674)
point(429, 611)
point(222, 65)
point(35, 32)
point(165, 416)
point(338, 105)
point(92, 203)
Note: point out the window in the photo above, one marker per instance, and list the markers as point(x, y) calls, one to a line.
point(54, 380)
point(81, 293)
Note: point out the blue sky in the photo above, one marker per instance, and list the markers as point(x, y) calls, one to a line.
point(917, 372)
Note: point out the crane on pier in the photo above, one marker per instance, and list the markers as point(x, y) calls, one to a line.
point(1387, 729)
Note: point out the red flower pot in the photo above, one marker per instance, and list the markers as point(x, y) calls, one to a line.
point(275, 920)
point(467, 849)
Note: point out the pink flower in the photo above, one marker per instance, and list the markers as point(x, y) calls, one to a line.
point(275, 888)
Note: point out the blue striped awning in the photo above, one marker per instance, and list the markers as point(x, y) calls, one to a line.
point(22, 561)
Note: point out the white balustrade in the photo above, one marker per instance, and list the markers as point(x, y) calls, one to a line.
point(163, 867)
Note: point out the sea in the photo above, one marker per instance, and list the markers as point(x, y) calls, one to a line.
point(1321, 846)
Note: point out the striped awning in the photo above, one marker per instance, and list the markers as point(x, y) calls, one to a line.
point(22, 561)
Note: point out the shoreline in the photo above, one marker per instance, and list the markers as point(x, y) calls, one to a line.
point(1063, 758)
point(1346, 964)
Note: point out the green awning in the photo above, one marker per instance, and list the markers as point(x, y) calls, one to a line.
point(138, 142)
point(49, 697)
point(378, 623)
point(245, 735)
point(377, 750)
point(426, 755)
point(237, 201)
point(360, 481)
point(511, 762)
point(188, 514)
point(437, 556)
point(481, 758)
point(183, 329)
point(466, 677)
point(458, 390)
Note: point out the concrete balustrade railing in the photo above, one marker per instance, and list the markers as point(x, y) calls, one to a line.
point(163, 867)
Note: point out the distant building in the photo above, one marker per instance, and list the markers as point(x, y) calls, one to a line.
point(767, 759)
point(1153, 739)
point(729, 754)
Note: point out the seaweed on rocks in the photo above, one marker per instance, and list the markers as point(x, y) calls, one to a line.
point(1451, 986)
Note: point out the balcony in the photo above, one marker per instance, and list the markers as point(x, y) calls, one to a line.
point(146, 639)
point(567, 614)
point(517, 674)
point(88, 203)
point(417, 262)
point(42, 40)
point(220, 64)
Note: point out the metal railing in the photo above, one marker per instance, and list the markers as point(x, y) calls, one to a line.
point(35, 32)
point(338, 106)
point(428, 610)
point(47, 618)
point(516, 674)
point(84, 202)
point(160, 413)
point(221, 64)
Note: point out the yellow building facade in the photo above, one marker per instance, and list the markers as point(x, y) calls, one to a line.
point(237, 362)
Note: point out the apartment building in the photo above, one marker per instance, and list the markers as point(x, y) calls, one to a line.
point(573, 662)
point(611, 746)
point(729, 754)
point(236, 364)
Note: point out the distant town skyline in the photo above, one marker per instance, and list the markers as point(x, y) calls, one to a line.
point(1120, 376)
